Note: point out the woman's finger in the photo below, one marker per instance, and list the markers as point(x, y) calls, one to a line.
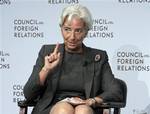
point(56, 49)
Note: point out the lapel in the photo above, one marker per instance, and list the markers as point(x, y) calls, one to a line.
point(88, 70)
point(57, 71)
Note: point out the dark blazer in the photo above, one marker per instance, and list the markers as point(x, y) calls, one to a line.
point(99, 80)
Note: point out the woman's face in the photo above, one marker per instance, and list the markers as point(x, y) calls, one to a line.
point(73, 33)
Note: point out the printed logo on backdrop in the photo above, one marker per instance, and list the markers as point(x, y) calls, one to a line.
point(4, 60)
point(63, 1)
point(128, 62)
point(28, 28)
point(130, 58)
point(5, 2)
point(102, 28)
point(134, 1)
point(17, 92)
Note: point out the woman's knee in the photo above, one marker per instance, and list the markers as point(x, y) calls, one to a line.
point(62, 108)
point(83, 109)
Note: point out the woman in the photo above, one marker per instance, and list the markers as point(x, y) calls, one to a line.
point(71, 78)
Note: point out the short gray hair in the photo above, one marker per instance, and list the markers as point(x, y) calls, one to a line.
point(76, 10)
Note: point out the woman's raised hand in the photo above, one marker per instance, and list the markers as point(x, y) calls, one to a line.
point(53, 59)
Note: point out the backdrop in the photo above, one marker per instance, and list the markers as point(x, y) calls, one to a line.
point(121, 27)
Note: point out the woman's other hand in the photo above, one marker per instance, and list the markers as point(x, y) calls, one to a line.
point(74, 101)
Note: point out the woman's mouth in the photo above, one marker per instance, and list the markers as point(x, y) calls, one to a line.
point(71, 43)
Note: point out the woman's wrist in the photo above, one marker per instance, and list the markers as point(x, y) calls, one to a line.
point(98, 100)
point(94, 100)
point(43, 74)
point(45, 69)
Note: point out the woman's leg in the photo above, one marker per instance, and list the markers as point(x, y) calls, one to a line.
point(62, 108)
point(83, 109)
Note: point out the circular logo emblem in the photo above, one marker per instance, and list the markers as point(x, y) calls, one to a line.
point(97, 57)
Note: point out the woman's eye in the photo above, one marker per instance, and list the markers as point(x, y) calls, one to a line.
point(67, 29)
point(78, 30)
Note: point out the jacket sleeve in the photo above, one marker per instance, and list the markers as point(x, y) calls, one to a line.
point(32, 88)
point(110, 88)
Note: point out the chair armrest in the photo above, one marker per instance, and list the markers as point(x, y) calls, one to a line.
point(112, 105)
point(25, 103)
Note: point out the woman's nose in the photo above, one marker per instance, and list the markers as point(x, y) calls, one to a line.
point(72, 35)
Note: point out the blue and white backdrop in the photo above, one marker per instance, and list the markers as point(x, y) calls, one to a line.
point(121, 27)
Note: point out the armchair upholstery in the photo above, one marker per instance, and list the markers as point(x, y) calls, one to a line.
point(114, 107)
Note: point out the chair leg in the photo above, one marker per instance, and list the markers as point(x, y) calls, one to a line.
point(106, 111)
point(117, 111)
point(23, 110)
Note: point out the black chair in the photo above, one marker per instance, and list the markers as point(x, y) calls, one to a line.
point(114, 107)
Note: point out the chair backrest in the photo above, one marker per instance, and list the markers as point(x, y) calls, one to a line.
point(123, 87)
